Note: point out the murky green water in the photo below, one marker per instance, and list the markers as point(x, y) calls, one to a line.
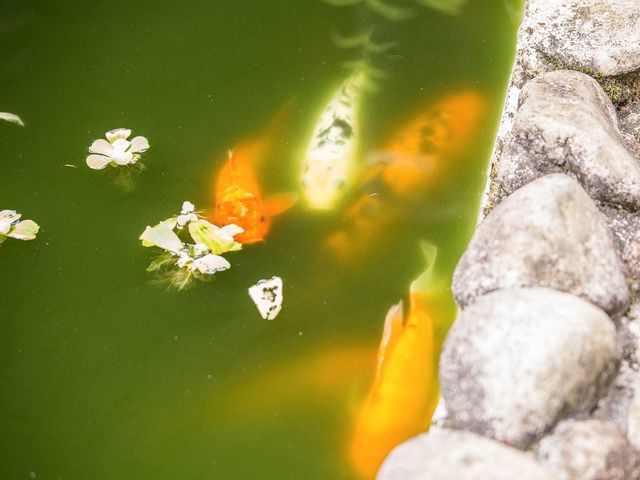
point(104, 375)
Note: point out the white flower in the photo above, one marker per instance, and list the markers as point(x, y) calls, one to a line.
point(163, 236)
point(210, 264)
point(116, 150)
point(187, 208)
point(186, 215)
point(11, 226)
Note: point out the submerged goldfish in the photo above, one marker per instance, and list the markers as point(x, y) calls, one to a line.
point(238, 196)
point(422, 153)
point(329, 162)
point(405, 390)
point(429, 146)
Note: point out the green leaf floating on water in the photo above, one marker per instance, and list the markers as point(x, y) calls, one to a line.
point(450, 7)
point(219, 240)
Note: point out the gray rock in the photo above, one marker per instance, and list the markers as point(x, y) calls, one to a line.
point(517, 361)
point(589, 450)
point(566, 123)
point(599, 37)
point(629, 121)
point(549, 234)
point(613, 407)
point(633, 420)
point(450, 455)
point(625, 226)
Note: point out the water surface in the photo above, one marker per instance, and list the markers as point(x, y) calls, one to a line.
point(104, 375)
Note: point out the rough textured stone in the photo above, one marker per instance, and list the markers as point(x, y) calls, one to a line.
point(626, 230)
point(566, 123)
point(450, 455)
point(549, 234)
point(589, 450)
point(599, 37)
point(629, 121)
point(613, 407)
point(517, 361)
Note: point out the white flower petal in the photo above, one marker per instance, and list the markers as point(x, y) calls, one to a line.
point(139, 144)
point(123, 158)
point(232, 229)
point(210, 264)
point(187, 207)
point(12, 118)
point(267, 295)
point(121, 145)
point(97, 162)
point(4, 227)
point(25, 230)
point(161, 236)
point(102, 147)
point(10, 216)
point(118, 133)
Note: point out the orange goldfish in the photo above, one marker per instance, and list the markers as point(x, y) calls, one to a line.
point(422, 150)
point(405, 390)
point(238, 197)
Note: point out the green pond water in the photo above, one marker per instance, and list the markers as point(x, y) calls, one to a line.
point(105, 375)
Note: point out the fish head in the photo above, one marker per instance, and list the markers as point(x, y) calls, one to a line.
point(246, 210)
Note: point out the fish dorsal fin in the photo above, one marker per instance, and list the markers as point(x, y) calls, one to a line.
point(276, 204)
point(393, 329)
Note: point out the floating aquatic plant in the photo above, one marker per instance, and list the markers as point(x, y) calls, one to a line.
point(119, 152)
point(11, 118)
point(12, 226)
point(199, 257)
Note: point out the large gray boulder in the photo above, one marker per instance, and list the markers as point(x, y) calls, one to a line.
point(599, 37)
point(548, 234)
point(452, 455)
point(589, 450)
point(517, 361)
point(566, 123)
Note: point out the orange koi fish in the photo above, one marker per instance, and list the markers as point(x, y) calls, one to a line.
point(425, 151)
point(405, 390)
point(238, 196)
point(428, 146)
point(325, 372)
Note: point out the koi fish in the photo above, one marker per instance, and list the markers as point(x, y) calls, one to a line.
point(329, 162)
point(314, 376)
point(238, 196)
point(424, 152)
point(405, 390)
point(429, 146)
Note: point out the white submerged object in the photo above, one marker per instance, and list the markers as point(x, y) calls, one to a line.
point(267, 295)
point(330, 158)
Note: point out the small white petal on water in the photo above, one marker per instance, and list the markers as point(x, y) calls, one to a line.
point(210, 264)
point(267, 296)
point(139, 144)
point(117, 134)
point(10, 216)
point(25, 230)
point(12, 118)
point(97, 162)
point(232, 229)
point(161, 236)
point(102, 147)
point(187, 207)
point(4, 227)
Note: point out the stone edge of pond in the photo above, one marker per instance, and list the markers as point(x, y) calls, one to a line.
point(542, 367)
